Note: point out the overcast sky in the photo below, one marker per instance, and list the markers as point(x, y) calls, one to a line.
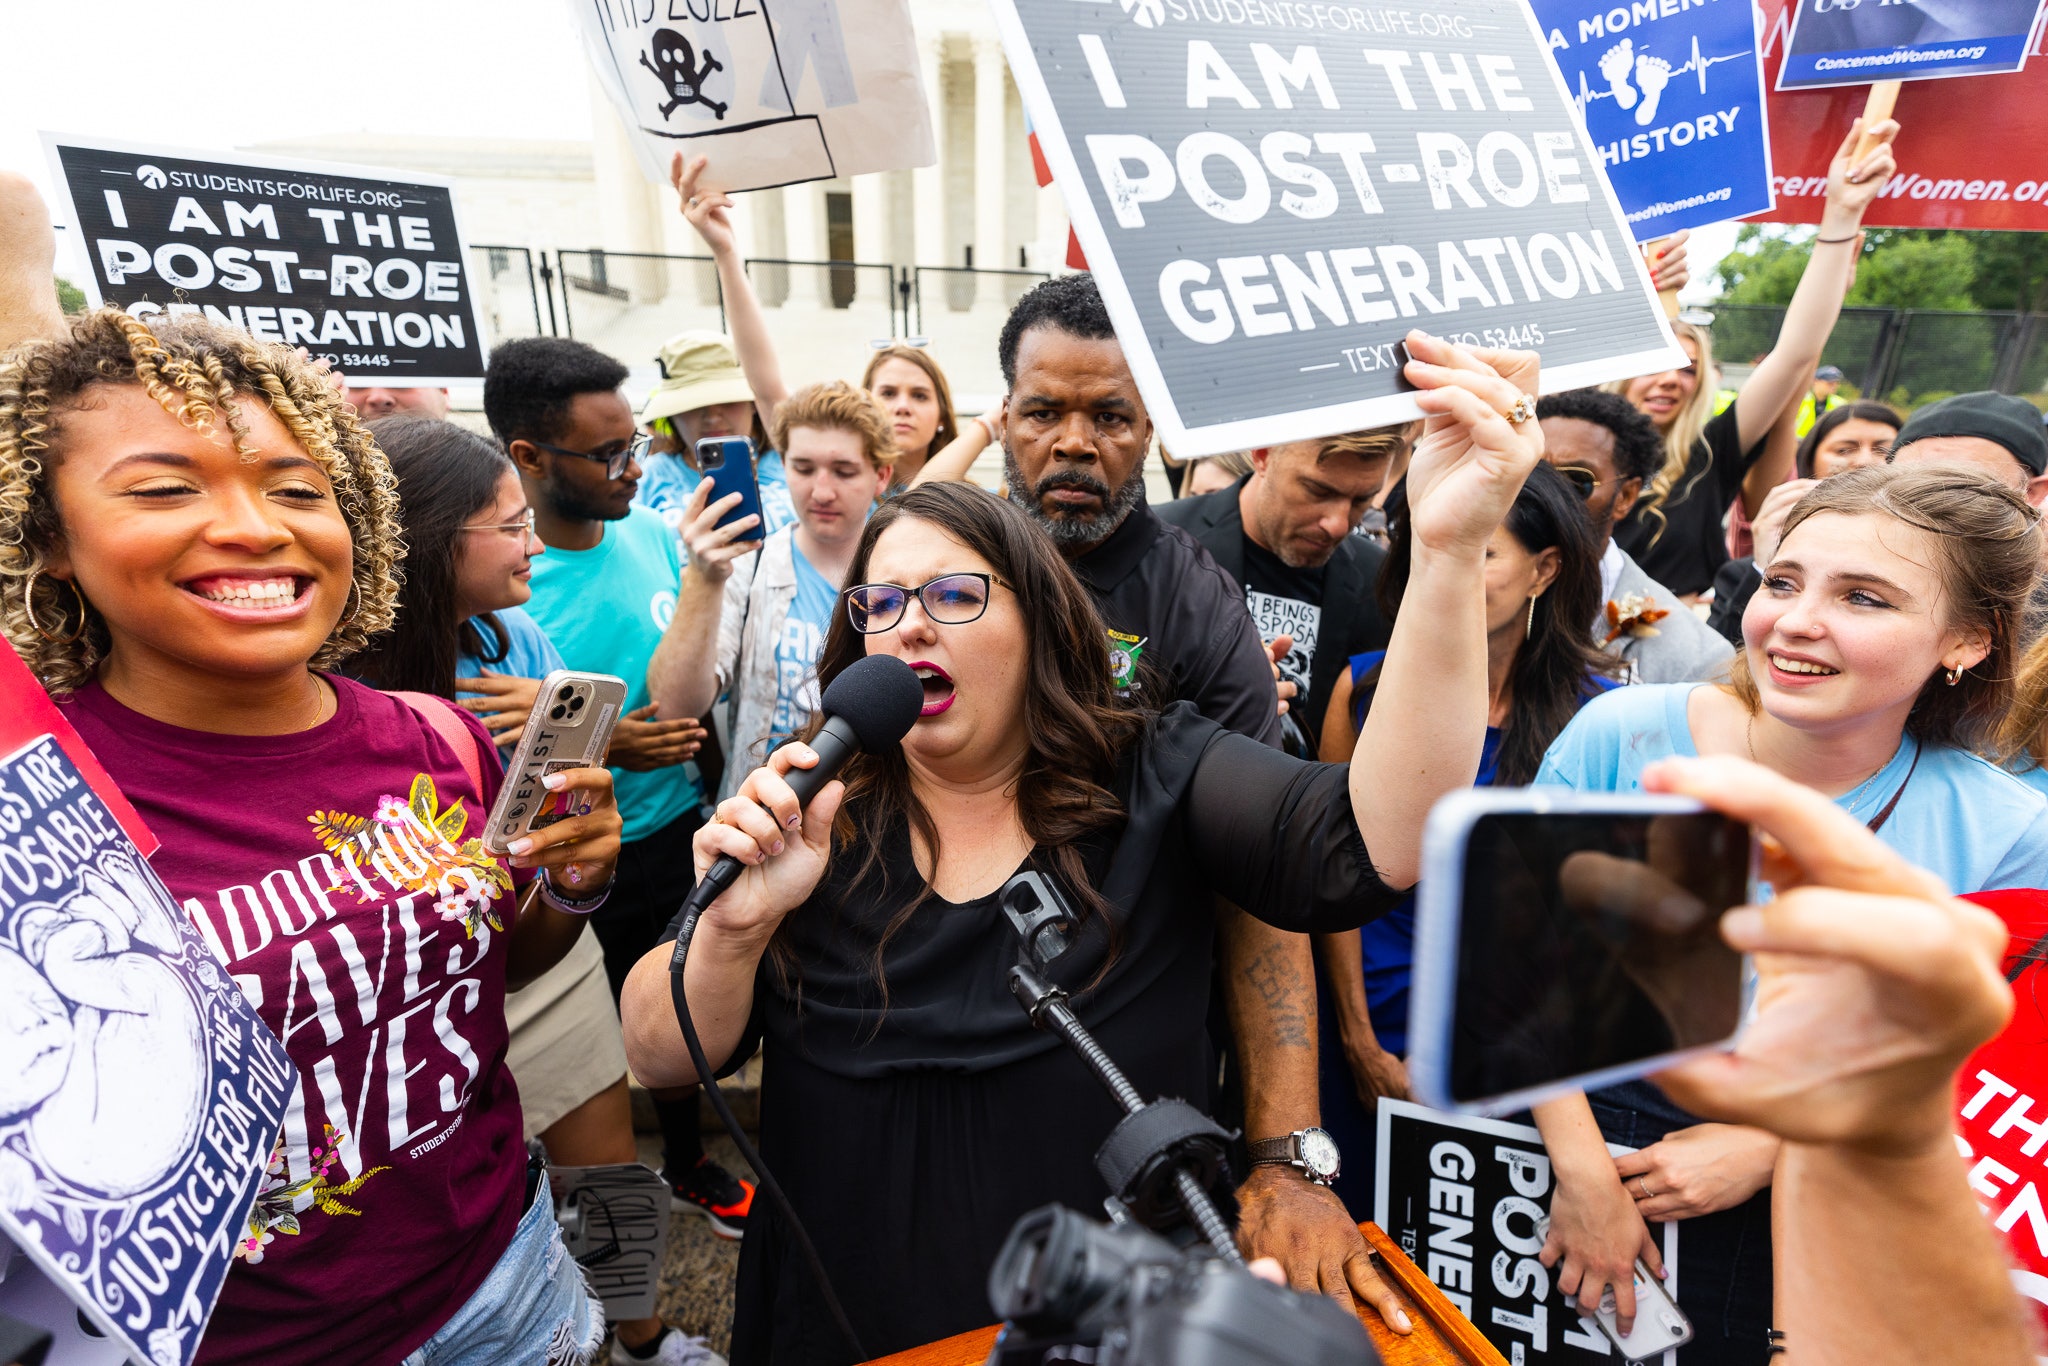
point(224, 73)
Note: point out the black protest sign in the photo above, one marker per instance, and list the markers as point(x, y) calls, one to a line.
point(1463, 1197)
point(362, 269)
point(1272, 192)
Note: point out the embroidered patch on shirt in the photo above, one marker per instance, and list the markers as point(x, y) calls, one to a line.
point(1124, 653)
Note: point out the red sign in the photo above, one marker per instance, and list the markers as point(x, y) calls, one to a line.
point(26, 713)
point(1973, 151)
point(2002, 1100)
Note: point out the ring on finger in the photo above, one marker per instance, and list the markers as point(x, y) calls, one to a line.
point(1523, 411)
point(1643, 1185)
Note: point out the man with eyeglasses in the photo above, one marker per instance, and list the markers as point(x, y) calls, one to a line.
point(605, 593)
point(1608, 451)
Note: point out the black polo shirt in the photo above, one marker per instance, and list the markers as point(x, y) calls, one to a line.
point(1165, 601)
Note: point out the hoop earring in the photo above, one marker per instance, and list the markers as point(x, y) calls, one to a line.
point(1530, 629)
point(28, 607)
point(1955, 675)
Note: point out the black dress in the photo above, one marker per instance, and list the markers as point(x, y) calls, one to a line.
point(910, 1136)
point(1685, 549)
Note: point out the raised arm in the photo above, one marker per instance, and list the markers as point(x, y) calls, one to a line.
point(28, 259)
point(1781, 449)
point(1853, 183)
point(708, 212)
point(689, 654)
point(1423, 736)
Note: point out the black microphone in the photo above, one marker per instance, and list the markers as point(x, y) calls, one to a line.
point(871, 706)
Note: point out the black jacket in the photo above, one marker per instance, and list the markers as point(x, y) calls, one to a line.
point(1351, 617)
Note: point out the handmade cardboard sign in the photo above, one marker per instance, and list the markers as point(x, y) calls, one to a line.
point(615, 1224)
point(365, 269)
point(140, 1095)
point(774, 92)
point(1673, 97)
point(1269, 207)
point(1463, 1197)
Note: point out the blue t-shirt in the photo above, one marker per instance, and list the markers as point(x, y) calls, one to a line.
point(605, 609)
point(1974, 826)
point(528, 651)
point(1388, 943)
point(2034, 776)
point(798, 648)
point(668, 483)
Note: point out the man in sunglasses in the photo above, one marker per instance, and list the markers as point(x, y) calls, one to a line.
point(1608, 451)
point(605, 593)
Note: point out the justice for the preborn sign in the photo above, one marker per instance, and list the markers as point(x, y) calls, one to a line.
point(361, 268)
point(1272, 192)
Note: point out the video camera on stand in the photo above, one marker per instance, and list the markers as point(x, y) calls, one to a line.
point(1142, 1290)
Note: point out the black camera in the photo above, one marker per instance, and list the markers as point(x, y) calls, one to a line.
point(1074, 1291)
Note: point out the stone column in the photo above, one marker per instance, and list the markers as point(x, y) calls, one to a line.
point(991, 245)
point(927, 182)
point(803, 209)
point(871, 243)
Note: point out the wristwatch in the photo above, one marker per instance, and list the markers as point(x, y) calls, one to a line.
point(1312, 1152)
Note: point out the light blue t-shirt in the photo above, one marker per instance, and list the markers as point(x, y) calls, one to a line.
point(668, 484)
point(528, 651)
point(1973, 825)
point(797, 651)
point(605, 610)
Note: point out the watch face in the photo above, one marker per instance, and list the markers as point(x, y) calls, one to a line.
point(1319, 1153)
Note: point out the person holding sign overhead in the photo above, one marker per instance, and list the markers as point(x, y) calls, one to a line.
point(1674, 531)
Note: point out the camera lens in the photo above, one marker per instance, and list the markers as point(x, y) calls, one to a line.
point(558, 713)
point(568, 690)
point(577, 705)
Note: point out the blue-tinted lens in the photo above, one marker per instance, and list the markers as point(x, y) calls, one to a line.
point(874, 606)
point(956, 598)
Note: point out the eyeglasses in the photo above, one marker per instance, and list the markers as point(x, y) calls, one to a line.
point(614, 462)
point(949, 600)
point(521, 528)
point(1580, 478)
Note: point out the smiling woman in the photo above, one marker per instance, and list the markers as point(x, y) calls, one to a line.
point(193, 530)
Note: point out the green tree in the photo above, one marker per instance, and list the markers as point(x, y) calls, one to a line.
point(1898, 269)
point(69, 296)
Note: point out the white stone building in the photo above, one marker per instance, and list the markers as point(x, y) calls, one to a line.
point(599, 232)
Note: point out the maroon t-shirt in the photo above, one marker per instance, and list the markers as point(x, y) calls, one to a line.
point(337, 872)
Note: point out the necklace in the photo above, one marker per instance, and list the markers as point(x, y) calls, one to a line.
point(1849, 804)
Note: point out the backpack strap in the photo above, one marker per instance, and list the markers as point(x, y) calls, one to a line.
point(441, 716)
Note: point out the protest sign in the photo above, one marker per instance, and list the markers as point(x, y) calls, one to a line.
point(1967, 155)
point(1855, 42)
point(1673, 97)
point(362, 268)
point(143, 1095)
point(2002, 1100)
point(1271, 195)
point(615, 1224)
point(774, 92)
point(26, 712)
point(1462, 1196)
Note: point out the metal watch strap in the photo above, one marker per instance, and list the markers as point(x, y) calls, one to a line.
point(1284, 1149)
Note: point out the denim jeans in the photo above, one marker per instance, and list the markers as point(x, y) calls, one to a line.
point(1724, 1259)
point(533, 1307)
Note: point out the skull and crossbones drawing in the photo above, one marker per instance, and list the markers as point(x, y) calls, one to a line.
point(681, 75)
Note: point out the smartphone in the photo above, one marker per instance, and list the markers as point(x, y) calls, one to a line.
point(1660, 1324)
point(728, 463)
point(570, 727)
point(1568, 940)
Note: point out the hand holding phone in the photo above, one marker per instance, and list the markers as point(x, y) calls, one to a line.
point(727, 464)
point(568, 728)
point(712, 537)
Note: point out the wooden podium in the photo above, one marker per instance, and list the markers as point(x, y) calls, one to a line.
point(1442, 1336)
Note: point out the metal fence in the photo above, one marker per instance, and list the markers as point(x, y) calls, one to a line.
point(1907, 357)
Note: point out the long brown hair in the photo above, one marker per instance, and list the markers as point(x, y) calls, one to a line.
point(1987, 550)
point(2023, 741)
point(1076, 727)
point(949, 427)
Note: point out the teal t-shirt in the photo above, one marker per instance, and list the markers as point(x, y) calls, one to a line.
point(528, 651)
point(798, 648)
point(1973, 825)
point(605, 610)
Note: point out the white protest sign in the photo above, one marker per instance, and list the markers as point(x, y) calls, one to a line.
point(1271, 195)
point(615, 1224)
point(774, 92)
point(364, 268)
point(140, 1094)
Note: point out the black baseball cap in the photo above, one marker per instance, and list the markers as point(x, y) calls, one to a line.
point(2011, 422)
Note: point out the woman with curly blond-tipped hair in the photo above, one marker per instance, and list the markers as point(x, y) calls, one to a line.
point(193, 531)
